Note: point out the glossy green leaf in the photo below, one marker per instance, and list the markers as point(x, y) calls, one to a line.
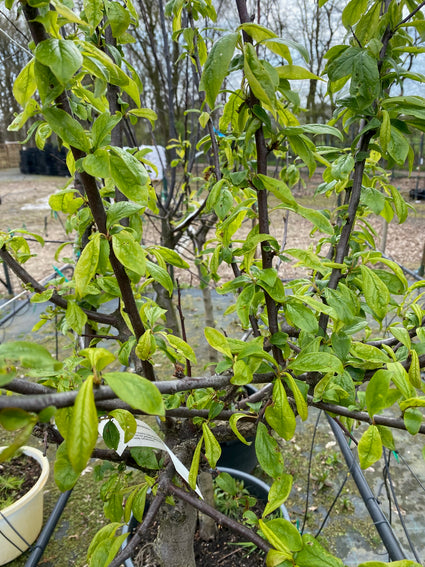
point(233, 421)
point(295, 72)
point(85, 269)
point(316, 362)
point(314, 555)
point(369, 354)
point(129, 175)
point(160, 275)
point(65, 475)
point(126, 421)
point(15, 418)
point(415, 370)
point(27, 355)
point(268, 452)
point(182, 348)
point(118, 18)
point(376, 392)
point(300, 400)
point(93, 10)
point(82, 431)
point(75, 317)
point(275, 540)
point(139, 503)
point(353, 11)
point(194, 467)
point(216, 66)
point(136, 391)
point(412, 420)
point(279, 414)
point(25, 85)
point(258, 76)
point(111, 435)
point(400, 379)
point(129, 252)
point(278, 494)
point(67, 128)
point(375, 292)
point(370, 447)
point(212, 446)
point(62, 56)
point(217, 340)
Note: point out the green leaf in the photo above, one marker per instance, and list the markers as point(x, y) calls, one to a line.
point(268, 452)
point(375, 292)
point(170, 256)
point(82, 432)
point(194, 467)
point(400, 205)
point(217, 340)
point(129, 175)
point(65, 476)
point(314, 555)
point(129, 252)
point(279, 415)
point(93, 9)
point(15, 418)
point(136, 391)
point(216, 66)
point(212, 446)
point(242, 373)
point(102, 128)
point(369, 354)
point(316, 362)
point(139, 502)
point(278, 494)
point(300, 401)
point(85, 269)
point(370, 447)
point(415, 370)
point(111, 435)
point(258, 76)
point(400, 379)
point(62, 56)
point(223, 204)
point(75, 317)
point(67, 128)
point(295, 72)
point(275, 540)
point(376, 392)
point(120, 210)
point(353, 12)
point(412, 420)
point(182, 347)
point(27, 355)
point(118, 18)
point(234, 418)
point(160, 275)
point(25, 85)
point(126, 421)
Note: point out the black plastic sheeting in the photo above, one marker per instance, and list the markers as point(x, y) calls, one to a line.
point(50, 161)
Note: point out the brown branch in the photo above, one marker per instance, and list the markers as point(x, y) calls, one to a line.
point(58, 300)
point(149, 517)
point(220, 518)
point(95, 203)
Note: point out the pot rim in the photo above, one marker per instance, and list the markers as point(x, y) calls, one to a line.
point(43, 461)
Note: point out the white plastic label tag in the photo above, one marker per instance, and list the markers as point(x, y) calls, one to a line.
point(145, 436)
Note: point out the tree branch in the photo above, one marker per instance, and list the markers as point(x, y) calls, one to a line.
point(220, 518)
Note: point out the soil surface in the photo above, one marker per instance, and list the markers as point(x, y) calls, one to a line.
point(226, 550)
point(22, 467)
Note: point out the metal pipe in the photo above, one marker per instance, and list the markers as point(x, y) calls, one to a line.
point(382, 525)
point(46, 533)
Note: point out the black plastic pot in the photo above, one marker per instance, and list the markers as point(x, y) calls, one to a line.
point(237, 455)
point(256, 487)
